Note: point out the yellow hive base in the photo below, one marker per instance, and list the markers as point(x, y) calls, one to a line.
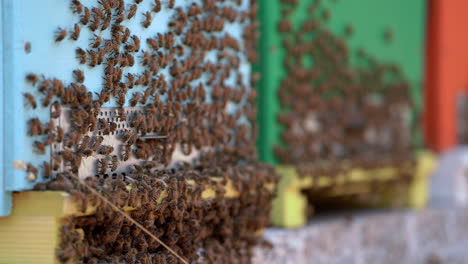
point(31, 233)
point(290, 205)
point(28, 239)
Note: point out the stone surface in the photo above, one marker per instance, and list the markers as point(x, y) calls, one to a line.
point(432, 228)
point(432, 236)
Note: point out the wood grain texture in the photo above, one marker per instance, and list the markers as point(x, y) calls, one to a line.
point(28, 239)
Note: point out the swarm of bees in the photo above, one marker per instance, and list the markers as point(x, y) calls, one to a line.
point(223, 228)
point(188, 106)
point(192, 79)
point(338, 111)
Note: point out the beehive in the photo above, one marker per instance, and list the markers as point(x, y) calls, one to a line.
point(341, 94)
point(149, 103)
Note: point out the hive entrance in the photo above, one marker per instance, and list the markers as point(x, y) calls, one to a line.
point(114, 162)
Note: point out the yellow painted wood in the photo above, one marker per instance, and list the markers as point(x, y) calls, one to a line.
point(48, 203)
point(28, 239)
point(290, 205)
point(419, 190)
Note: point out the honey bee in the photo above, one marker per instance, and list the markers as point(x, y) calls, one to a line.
point(97, 143)
point(126, 35)
point(98, 12)
point(35, 127)
point(130, 60)
point(40, 147)
point(95, 23)
point(76, 32)
point(47, 169)
point(44, 86)
point(105, 150)
point(48, 98)
point(146, 95)
point(77, 7)
point(132, 11)
point(113, 127)
point(56, 162)
point(120, 17)
point(61, 34)
point(96, 42)
point(79, 76)
point(157, 6)
point(87, 152)
point(135, 99)
point(81, 55)
point(67, 155)
point(122, 114)
point(58, 87)
point(31, 100)
point(107, 5)
point(195, 10)
point(103, 164)
point(85, 143)
point(32, 78)
point(121, 99)
point(93, 58)
point(127, 152)
point(136, 45)
point(171, 3)
point(137, 121)
point(85, 18)
point(49, 140)
point(153, 43)
point(148, 19)
point(130, 80)
point(115, 163)
point(50, 127)
point(107, 22)
point(127, 135)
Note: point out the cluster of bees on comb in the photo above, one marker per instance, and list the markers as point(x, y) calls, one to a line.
point(336, 110)
point(189, 92)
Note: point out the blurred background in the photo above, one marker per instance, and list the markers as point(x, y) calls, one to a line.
point(363, 110)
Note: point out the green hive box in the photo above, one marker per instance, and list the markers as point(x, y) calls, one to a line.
point(371, 20)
